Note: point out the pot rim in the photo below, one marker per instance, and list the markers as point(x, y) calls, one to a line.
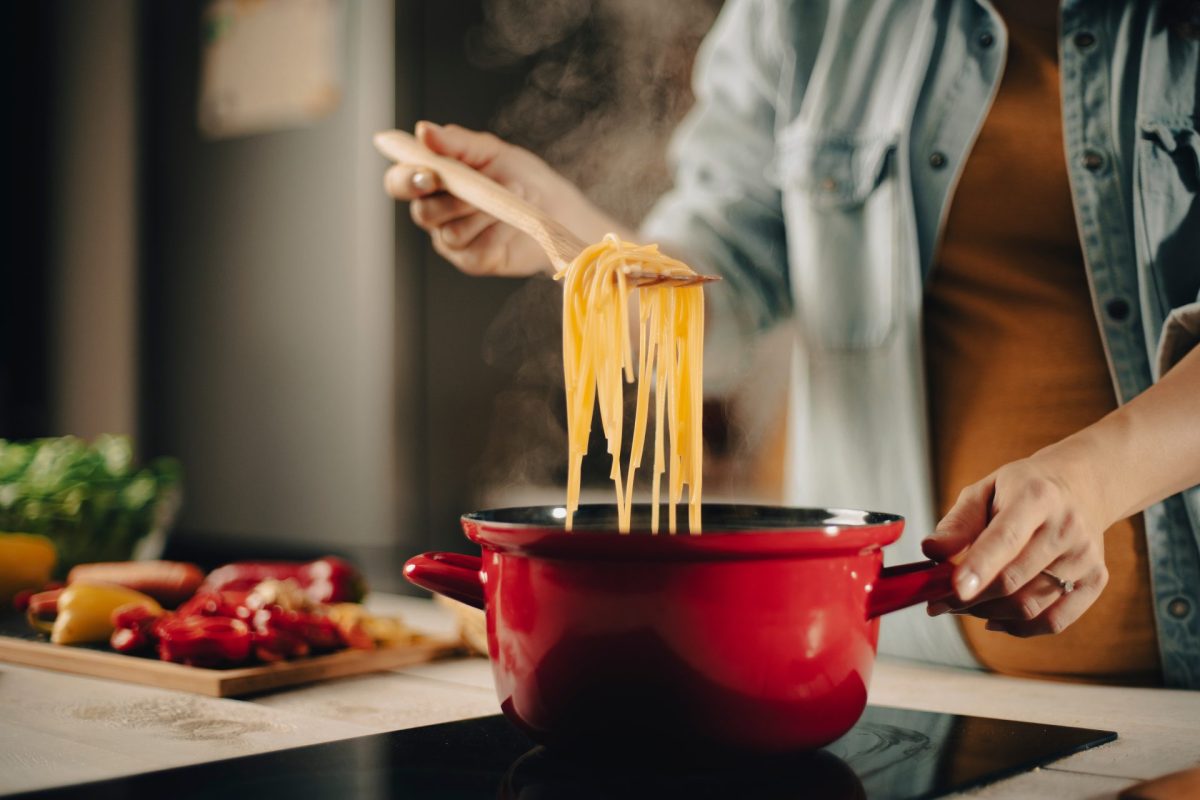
point(731, 531)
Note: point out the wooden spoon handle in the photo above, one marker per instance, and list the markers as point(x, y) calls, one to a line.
point(485, 194)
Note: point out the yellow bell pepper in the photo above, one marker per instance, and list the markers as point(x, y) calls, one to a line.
point(85, 611)
point(26, 561)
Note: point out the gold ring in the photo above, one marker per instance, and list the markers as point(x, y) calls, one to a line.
point(1066, 586)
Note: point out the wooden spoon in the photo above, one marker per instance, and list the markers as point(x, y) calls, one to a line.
point(458, 179)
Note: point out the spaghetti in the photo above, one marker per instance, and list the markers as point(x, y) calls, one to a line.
point(596, 354)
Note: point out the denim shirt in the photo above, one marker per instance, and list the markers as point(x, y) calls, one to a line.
point(815, 173)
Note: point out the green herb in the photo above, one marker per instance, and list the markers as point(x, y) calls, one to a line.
point(92, 500)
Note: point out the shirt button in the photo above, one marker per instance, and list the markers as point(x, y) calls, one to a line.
point(1084, 40)
point(1118, 309)
point(828, 184)
point(1179, 608)
point(937, 159)
point(986, 40)
point(1093, 161)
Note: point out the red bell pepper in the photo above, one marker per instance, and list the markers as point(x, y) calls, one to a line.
point(274, 644)
point(203, 641)
point(227, 626)
point(134, 626)
point(128, 640)
point(316, 631)
point(133, 615)
point(326, 580)
point(215, 604)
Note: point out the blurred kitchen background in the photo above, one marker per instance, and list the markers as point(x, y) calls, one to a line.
point(201, 255)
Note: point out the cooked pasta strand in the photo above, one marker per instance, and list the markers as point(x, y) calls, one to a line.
point(598, 359)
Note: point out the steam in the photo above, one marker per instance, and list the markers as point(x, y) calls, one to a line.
point(608, 81)
point(527, 442)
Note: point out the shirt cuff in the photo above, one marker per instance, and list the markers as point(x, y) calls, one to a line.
point(1181, 332)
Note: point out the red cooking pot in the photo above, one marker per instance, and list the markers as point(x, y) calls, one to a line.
point(757, 636)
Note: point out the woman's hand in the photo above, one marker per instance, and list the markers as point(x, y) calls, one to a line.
point(1028, 516)
point(1049, 511)
point(475, 242)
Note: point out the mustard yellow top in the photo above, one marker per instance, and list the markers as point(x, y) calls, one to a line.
point(1015, 360)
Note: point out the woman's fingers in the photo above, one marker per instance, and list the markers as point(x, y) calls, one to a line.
point(1046, 545)
point(1061, 613)
point(470, 245)
point(439, 209)
point(1033, 596)
point(1000, 543)
point(462, 233)
point(477, 149)
point(1010, 596)
point(406, 182)
point(1004, 532)
point(962, 523)
point(486, 254)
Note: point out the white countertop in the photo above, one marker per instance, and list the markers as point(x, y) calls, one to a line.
point(58, 729)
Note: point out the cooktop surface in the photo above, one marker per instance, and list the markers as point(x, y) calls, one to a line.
point(890, 753)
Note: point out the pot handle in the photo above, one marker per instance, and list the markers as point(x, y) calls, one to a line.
point(454, 575)
point(908, 584)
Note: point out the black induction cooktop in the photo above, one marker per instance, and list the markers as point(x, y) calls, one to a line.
point(890, 753)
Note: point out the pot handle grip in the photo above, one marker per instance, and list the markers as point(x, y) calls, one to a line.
point(454, 575)
point(908, 584)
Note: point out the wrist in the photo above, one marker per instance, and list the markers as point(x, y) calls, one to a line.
point(1083, 464)
point(584, 218)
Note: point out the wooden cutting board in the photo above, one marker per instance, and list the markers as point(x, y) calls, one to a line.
point(99, 662)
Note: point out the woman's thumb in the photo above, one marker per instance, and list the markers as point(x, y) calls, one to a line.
point(961, 525)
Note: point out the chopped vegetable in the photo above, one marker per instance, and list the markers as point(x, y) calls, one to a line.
point(204, 641)
point(216, 604)
point(360, 628)
point(26, 561)
point(129, 640)
point(168, 582)
point(234, 617)
point(21, 599)
point(283, 593)
point(42, 609)
point(349, 617)
point(319, 632)
point(274, 644)
point(135, 625)
point(326, 580)
point(387, 631)
point(134, 615)
point(85, 611)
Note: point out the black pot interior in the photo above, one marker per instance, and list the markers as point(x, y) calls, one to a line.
point(715, 518)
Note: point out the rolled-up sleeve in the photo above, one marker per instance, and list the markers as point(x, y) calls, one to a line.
point(724, 213)
point(1181, 333)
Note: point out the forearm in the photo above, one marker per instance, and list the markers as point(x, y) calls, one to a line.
point(584, 218)
point(591, 224)
point(1143, 452)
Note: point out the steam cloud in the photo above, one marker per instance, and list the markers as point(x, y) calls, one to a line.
point(608, 81)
